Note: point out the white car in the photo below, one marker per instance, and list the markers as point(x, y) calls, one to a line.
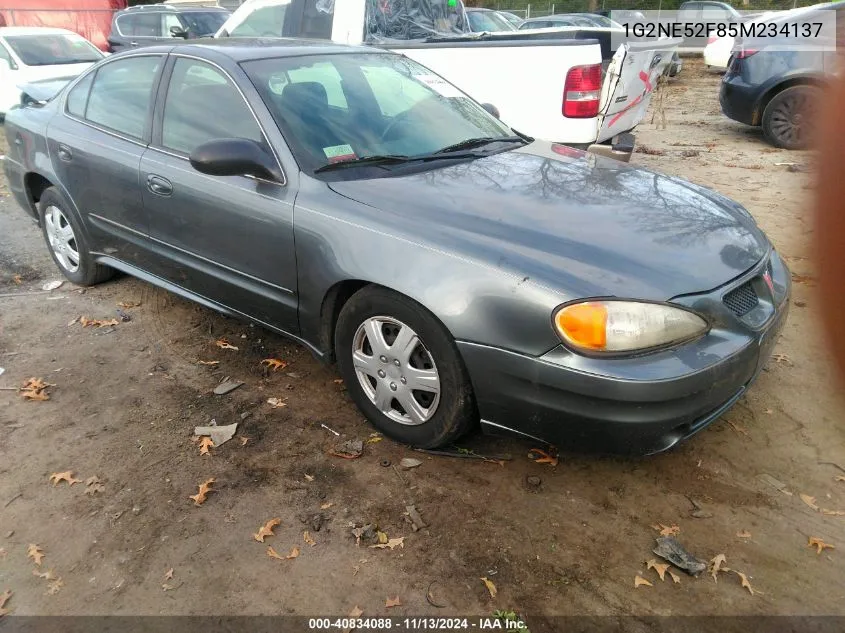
point(32, 54)
point(717, 53)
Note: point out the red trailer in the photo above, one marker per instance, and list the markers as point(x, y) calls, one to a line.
point(90, 18)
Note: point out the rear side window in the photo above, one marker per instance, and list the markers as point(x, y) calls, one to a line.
point(263, 22)
point(77, 98)
point(140, 24)
point(121, 94)
point(203, 105)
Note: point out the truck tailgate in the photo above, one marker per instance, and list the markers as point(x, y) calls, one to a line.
point(630, 83)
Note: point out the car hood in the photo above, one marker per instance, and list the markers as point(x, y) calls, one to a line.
point(589, 225)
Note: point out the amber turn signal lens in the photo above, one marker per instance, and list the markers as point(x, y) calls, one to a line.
point(584, 325)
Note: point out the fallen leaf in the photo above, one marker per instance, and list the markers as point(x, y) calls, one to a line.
point(819, 544)
point(675, 577)
point(639, 580)
point(205, 444)
point(309, 477)
point(294, 552)
point(660, 568)
point(94, 489)
point(86, 322)
point(126, 305)
point(274, 363)
point(210, 363)
point(67, 476)
point(396, 602)
point(306, 536)
point(716, 566)
point(542, 457)
point(35, 389)
point(266, 530)
point(4, 598)
point(276, 403)
point(273, 553)
point(204, 489)
point(326, 506)
point(744, 581)
point(47, 575)
point(224, 344)
point(490, 586)
point(17, 279)
point(666, 530)
point(168, 575)
point(166, 587)
point(54, 586)
point(391, 544)
point(839, 478)
point(381, 537)
point(244, 440)
point(781, 358)
point(810, 501)
point(743, 534)
point(35, 553)
point(833, 513)
point(374, 439)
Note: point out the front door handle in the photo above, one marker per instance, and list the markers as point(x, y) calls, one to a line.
point(159, 186)
point(133, 43)
point(64, 153)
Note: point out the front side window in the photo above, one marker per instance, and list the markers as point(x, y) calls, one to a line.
point(53, 49)
point(140, 25)
point(120, 98)
point(394, 107)
point(203, 105)
point(203, 23)
point(262, 22)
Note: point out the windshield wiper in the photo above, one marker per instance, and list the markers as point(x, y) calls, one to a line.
point(472, 143)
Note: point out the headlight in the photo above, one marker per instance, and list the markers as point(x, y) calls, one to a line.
point(625, 326)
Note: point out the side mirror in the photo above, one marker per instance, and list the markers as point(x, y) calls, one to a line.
point(491, 109)
point(235, 157)
point(178, 31)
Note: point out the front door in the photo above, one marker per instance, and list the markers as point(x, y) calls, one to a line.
point(228, 239)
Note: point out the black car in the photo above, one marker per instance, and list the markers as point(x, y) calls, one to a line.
point(149, 24)
point(777, 87)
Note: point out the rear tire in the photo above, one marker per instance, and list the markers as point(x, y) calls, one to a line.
point(386, 345)
point(66, 241)
point(790, 117)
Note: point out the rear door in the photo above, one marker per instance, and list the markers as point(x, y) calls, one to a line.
point(629, 84)
point(225, 238)
point(96, 145)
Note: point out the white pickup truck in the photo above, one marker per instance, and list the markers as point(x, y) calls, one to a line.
point(554, 89)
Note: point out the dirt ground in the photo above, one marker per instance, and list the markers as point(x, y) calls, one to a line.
point(126, 400)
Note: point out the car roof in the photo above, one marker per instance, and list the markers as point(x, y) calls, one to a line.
point(33, 30)
point(241, 49)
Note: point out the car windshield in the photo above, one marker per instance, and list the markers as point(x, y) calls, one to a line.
point(488, 21)
point(204, 22)
point(335, 108)
point(53, 49)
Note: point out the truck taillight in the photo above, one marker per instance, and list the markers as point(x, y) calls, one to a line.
point(745, 53)
point(582, 91)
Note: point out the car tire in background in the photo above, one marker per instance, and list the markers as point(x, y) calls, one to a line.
point(386, 344)
point(790, 117)
point(66, 241)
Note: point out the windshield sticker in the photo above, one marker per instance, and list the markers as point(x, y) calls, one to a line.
point(439, 85)
point(338, 153)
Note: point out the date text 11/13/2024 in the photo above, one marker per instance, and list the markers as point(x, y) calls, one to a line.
point(416, 624)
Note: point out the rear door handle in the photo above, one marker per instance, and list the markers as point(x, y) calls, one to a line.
point(159, 186)
point(64, 153)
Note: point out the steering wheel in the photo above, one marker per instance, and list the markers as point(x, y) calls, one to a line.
point(399, 120)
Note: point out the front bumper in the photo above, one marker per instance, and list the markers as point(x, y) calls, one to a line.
point(638, 405)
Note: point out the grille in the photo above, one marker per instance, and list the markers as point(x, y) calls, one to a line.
point(742, 299)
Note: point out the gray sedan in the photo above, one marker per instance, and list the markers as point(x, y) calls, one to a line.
point(457, 271)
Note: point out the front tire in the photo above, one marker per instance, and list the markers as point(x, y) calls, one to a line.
point(403, 370)
point(66, 241)
point(789, 118)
